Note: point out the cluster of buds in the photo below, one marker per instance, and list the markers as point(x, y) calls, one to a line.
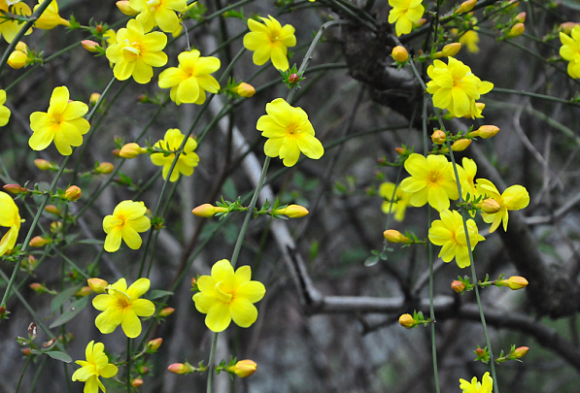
point(18, 58)
point(409, 321)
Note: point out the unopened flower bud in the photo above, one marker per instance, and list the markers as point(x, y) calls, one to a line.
point(94, 98)
point(207, 210)
point(458, 286)
point(460, 144)
point(451, 49)
point(419, 23)
point(490, 206)
point(292, 211)
point(167, 311)
point(521, 17)
point(466, 6)
point(125, 8)
point(400, 54)
point(517, 30)
point(245, 90)
point(438, 137)
point(49, 343)
point(137, 382)
point(43, 165)
point(516, 282)
point(26, 351)
point(116, 152)
point(21, 47)
point(15, 189)
point(180, 368)
point(407, 321)
point(488, 131)
point(56, 226)
point(293, 78)
point(39, 241)
point(243, 368)
point(400, 150)
point(105, 168)
point(52, 209)
point(567, 27)
point(73, 193)
point(153, 345)
point(520, 352)
point(131, 150)
point(143, 370)
point(98, 285)
point(17, 59)
point(193, 281)
point(479, 352)
point(394, 236)
point(37, 287)
point(84, 291)
point(513, 4)
point(99, 29)
point(91, 46)
point(2, 311)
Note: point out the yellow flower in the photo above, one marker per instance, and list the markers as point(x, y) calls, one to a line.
point(50, 17)
point(226, 295)
point(485, 386)
point(470, 39)
point(431, 181)
point(63, 123)
point(513, 198)
point(127, 220)
point(9, 28)
point(122, 306)
point(191, 79)
point(405, 12)
point(399, 204)
point(455, 88)
point(289, 132)
point(9, 217)
point(4, 112)
point(97, 365)
point(187, 159)
point(158, 13)
point(570, 51)
point(136, 53)
point(450, 233)
point(270, 40)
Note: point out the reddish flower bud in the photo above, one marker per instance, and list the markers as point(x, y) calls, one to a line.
point(26, 351)
point(153, 345)
point(52, 210)
point(517, 30)
point(207, 210)
point(458, 286)
point(137, 382)
point(39, 241)
point(521, 17)
point(520, 352)
point(37, 287)
point(401, 151)
point(99, 29)
point(84, 291)
point(180, 368)
point(15, 189)
point(293, 78)
point(91, 46)
point(479, 352)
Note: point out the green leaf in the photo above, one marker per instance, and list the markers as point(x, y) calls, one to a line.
point(63, 357)
point(62, 297)
point(91, 241)
point(157, 293)
point(75, 308)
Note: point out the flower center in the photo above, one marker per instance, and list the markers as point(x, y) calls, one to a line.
point(293, 129)
point(131, 50)
point(433, 178)
point(221, 294)
point(153, 4)
point(56, 118)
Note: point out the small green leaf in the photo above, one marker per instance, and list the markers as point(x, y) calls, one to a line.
point(157, 293)
point(63, 357)
point(62, 297)
point(75, 308)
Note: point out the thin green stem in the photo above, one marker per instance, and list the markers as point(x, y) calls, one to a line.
point(211, 362)
point(250, 212)
point(37, 374)
point(22, 373)
point(128, 376)
point(472, 262)
point(535, 95)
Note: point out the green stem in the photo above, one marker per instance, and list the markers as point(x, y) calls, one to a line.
point(22, 373)
point(211, 365)
point(128, 376)
point(250, 212)
point(37, 374)
point(535, 95)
